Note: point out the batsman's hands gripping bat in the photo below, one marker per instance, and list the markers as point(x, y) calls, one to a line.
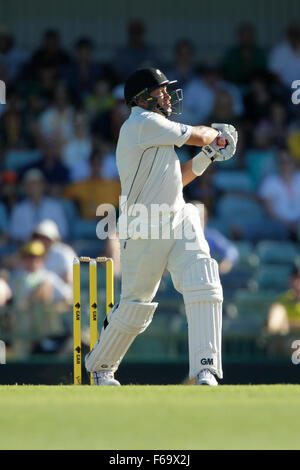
point(228, 128)
point(221, 149)
point(224, 145)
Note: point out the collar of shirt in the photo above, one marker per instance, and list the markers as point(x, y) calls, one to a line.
point(139, 110)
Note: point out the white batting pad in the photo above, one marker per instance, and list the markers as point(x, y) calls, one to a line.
point(125, 322)
point(202, 292)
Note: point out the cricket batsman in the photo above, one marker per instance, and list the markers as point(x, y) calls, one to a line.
point(151, 175)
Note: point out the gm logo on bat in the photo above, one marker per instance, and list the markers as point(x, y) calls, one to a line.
point(2, 352)
point(2, 92)
point(205, 361)
point(296, 93)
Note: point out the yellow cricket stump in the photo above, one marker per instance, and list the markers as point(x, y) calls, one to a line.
point(93, 306)
point(76, 322)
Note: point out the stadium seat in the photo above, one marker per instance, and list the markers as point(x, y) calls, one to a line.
point(242, 214)
point(238, 277)
point(253, 303)
point(17, 159)
point(273, 277)
point(233, 180)
point(260, 163)
point(270, 252)
point(246, 253)
point(236, 207)
point(263, 229)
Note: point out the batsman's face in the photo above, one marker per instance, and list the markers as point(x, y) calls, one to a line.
point(164, 99)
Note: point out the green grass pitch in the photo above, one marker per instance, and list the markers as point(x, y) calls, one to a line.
point(150, 417)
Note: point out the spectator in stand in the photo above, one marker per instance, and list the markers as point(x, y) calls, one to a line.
point(82, 170)
point(283, 320)
point(58, 256)
point(223, 109)
point(5, 316)
point(107, 125)
point(31, 280)
point(12, 128)
point(41, 84)
point(284, 314)
point(50, 53)
point(245, 58)
point(137, 53)
point(12, 58)
point(56, 122)
point(257, 100)
point(294, 137)
point(280, 193)
point(5, 291)
point(275, 124)
point(83, 71)
point(294, 145)
point(200, 95)
point(77, 149)
point(183, 68)
point(39, 299)
point(51, 165)
point(284, 59)
point(100, 100)
point(95, 190)
point(35, 208)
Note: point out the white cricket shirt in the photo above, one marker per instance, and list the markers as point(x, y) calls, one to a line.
point(148, 165)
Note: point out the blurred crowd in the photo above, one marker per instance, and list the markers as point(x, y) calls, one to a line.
point(58, 133)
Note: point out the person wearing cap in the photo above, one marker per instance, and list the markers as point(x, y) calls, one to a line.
point(36, 281)
point(39, 298)
point(58, 256)
point(35, 208)
point(156, 227)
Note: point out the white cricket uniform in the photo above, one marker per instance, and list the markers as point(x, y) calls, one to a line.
point(148, 166)
point(150, 174)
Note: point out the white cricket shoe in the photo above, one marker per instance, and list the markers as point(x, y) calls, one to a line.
point(105, 378)
point(205, 377)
